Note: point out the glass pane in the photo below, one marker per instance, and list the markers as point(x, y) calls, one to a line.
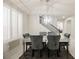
point(9, 25)
point(20, 18)
point(14, 23)
point(6, 23)
point(5, 36)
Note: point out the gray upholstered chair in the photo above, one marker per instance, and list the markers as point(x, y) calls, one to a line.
point(36, 43)
point(53, 43)
point(44, 34)
point(26, 35)
point(67, 35)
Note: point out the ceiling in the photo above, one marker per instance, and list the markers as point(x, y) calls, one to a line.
point(52, 7)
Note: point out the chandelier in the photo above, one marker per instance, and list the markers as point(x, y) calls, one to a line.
point(48, 4)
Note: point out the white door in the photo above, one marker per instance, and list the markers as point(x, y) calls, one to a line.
point(68, 26)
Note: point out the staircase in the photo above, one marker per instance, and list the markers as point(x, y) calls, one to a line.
point(49, 26)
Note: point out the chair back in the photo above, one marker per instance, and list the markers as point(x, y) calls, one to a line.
point(53, 42)
point(26, 35)
point(67, 35)
point(36, 41)
point(43, 33)
point(51, 33)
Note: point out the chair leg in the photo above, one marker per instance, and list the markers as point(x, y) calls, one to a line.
point(59, 48)
point(32, 53)
point(40, 53)
point(48, 52)
point(58, 53)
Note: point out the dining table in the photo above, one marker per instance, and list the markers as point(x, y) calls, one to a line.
point(64, 41)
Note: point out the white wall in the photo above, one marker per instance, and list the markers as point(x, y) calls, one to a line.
point(72, 32)
point(25, 23)
point(34, 24)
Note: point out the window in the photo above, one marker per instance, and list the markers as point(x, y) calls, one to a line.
point(20, 18)
point(12, 26)
point(14, 23)
point(6, 24)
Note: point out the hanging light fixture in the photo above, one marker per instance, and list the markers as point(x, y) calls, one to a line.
point(49, 4)
point(45, 16)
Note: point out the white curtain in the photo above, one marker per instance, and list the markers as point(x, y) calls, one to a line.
point(6, 23)
point(12, 23)
point(20, 24)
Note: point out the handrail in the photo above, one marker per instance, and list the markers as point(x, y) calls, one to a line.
point(41, 21)
point(55, 28)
